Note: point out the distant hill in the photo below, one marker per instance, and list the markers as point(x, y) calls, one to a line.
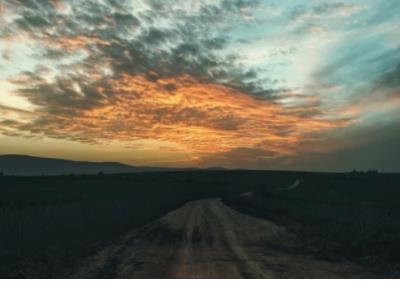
point(34, 166)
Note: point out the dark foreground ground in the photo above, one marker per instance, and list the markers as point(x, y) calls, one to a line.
point(201, 224)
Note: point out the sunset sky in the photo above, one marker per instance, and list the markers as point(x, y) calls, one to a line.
point(260, 84)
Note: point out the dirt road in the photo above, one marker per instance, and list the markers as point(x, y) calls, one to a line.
point(207, 239)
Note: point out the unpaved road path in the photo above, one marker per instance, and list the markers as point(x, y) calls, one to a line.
point(207, 239)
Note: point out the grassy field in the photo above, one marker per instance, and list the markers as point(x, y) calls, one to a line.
point(354, 216)
point(47, 224)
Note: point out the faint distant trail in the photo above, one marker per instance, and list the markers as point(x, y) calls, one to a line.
point(291, 187)
point(207, 239)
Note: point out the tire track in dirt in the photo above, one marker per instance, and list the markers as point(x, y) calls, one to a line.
point(207, 239)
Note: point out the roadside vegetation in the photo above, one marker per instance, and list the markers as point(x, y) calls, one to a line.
point(340, 216)
point(48, 224)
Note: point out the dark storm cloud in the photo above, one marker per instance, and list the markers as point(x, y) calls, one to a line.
point(129, 43)
point(192, 39)
point(66, 95)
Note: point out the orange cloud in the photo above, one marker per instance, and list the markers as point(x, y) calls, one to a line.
point(74, 43)
point(188, 115)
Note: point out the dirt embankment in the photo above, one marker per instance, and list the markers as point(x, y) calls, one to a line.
point(207, 239)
